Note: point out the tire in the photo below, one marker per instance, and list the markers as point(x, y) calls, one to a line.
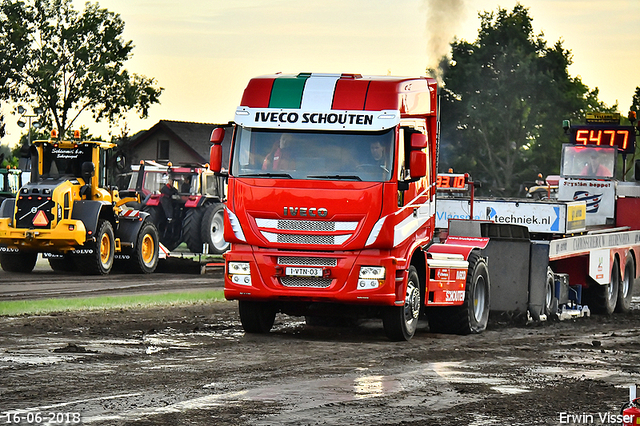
point(400, 322)
point(625, 289)
point(256, 317)
point(18, 261)
point(604, 297)
point(157, 217)
point(64, 264)
point(473, 315)
point(144, 258)
point(192, 229)
point(212, 230)
point(100, 261)
point(551, 302)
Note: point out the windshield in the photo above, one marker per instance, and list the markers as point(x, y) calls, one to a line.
point(588, 162)
point(359, 156)
point(57, 162)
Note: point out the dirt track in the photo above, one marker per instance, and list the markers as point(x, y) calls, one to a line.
point(194, 365)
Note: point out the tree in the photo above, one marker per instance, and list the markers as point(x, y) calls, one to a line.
point(69, 62)
point(503, 101)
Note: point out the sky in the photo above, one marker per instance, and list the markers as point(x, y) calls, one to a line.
point(203, 52)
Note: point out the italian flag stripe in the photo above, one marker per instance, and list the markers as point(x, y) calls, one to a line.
point(287, 91)
point(318, 92)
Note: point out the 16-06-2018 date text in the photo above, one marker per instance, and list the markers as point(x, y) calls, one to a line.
point(39, 417)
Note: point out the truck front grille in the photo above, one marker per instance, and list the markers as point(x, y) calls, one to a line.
point(305, 282)
point(306, 225)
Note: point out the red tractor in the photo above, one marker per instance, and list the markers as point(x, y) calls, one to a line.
point(186, 203)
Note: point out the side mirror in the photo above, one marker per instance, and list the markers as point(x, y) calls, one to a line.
point(215, 154)
point(417, 164)
point(418, 141)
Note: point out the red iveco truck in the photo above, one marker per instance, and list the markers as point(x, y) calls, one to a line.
point(331, 207)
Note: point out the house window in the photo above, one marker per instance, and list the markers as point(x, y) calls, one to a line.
point(163, 150)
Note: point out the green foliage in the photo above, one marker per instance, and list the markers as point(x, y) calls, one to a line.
point(69, 62)
point(503, 101)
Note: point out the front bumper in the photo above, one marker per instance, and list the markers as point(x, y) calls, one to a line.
point(67, 235)
point(339, 283)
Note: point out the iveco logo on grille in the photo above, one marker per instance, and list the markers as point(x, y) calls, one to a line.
point(306, 211)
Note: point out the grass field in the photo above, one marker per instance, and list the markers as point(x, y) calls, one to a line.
point(43, 306)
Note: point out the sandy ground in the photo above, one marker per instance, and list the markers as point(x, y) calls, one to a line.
point(194, 365)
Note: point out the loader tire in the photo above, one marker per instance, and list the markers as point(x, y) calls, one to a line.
point(18, 261)
point(473, 315)
point(100, 261)
point(63, 264)
point(191, 229)
point(144, 258)
point(212, 230)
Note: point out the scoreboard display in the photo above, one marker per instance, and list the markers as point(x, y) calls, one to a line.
point(622, 137)
point(451, 182)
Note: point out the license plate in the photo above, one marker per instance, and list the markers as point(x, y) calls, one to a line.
point(304, 272)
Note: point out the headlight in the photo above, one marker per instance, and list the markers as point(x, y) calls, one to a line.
point(239, 273)
point(239, 268)
point(372, 272)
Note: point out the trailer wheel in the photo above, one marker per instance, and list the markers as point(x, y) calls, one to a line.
point(604, 297)
point(400, 322)
point(18, 261)
point(191, 229)
point(550, 302)
point(625, 290)
point(144, 259)
point(100, 261)
point(473, 315)
point(256, 317)
point(213, 229)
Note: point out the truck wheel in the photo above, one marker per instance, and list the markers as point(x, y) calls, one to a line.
point(212, 230)
point(64, 264)
point(604, 297)
point(550, 302)
point(256, 317)
point(101, 260)
point(145, 252)
point(18, 261)
point(625, 290)
point(400, 322)
point(473, 315)
point(157, 217)
point(191, 229)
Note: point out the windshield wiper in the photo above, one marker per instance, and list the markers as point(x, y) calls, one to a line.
point(282, 175)
point(345, 177)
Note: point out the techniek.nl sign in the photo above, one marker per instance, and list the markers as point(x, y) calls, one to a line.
point(536, 216)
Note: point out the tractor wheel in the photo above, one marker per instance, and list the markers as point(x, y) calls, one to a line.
point(473, 315)
point(144, 258)
point(18, 261)
point(400, 322)
point(212, 229)
point(256, 317)
point(603, 298)
point(191, 229)
point(100, 261)
point(625, 290)
point(62, 264)
point(165, 232)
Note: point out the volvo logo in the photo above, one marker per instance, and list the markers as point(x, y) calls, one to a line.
point(306, 211)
